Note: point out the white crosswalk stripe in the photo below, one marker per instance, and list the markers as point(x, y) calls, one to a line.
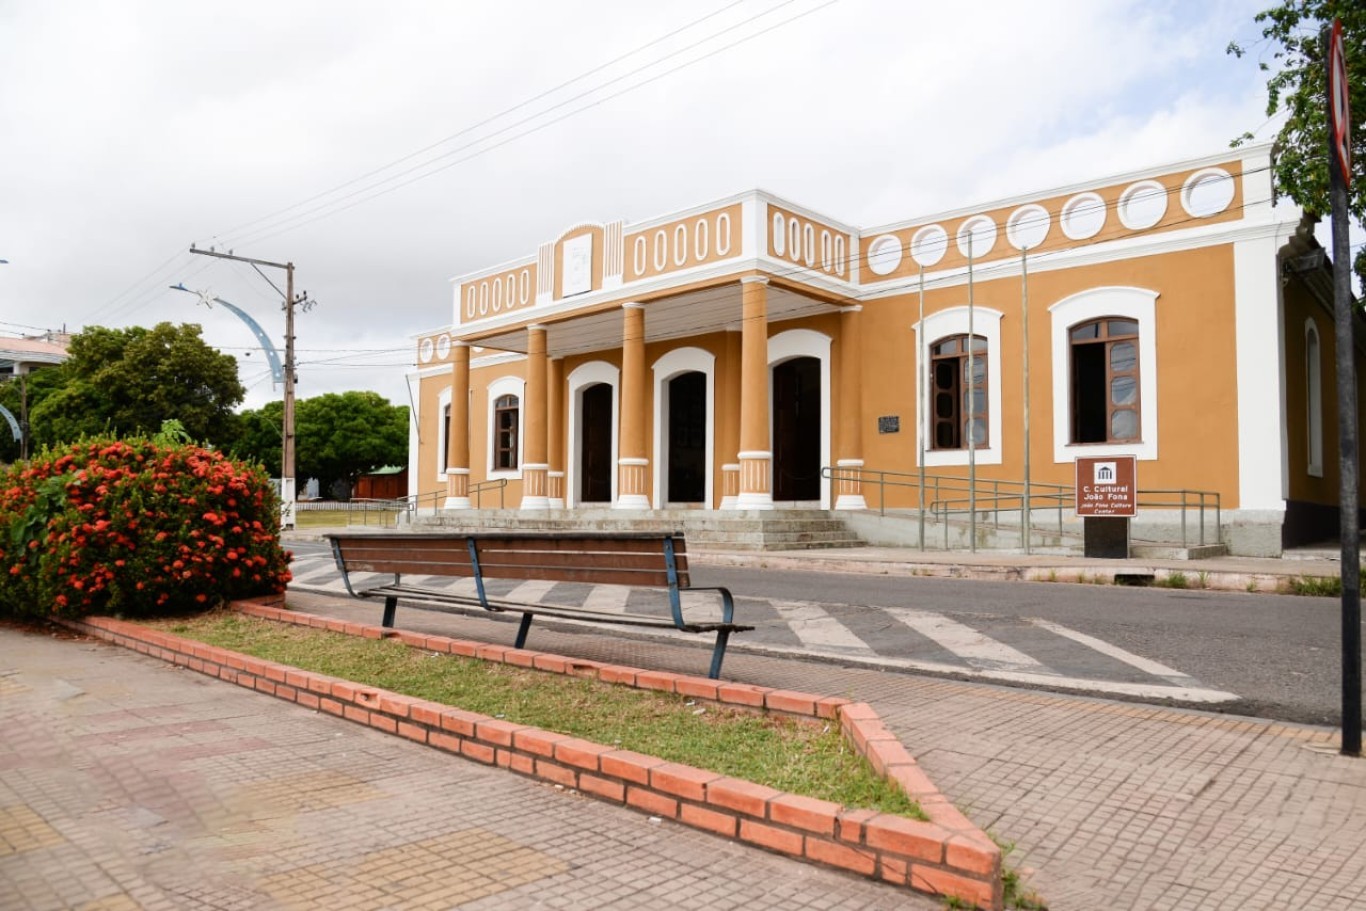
point(609, 599)
point(976, 649)
point(818, 630)
point(530, 592)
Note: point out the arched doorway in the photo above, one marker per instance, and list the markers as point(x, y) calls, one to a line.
point(687, 438)
point(595, 444)
point(797, 422)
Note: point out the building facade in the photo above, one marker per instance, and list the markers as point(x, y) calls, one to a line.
point(751, 354)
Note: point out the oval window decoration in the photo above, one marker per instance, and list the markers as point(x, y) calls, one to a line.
point(982, 230)
point(1207, 192)
point(779, 234)
point(1083, 216)
point(1028, 226)
point(1143, 205)
point(443, 345)
point(424, 351)
point(884, 254)
point(929, 245)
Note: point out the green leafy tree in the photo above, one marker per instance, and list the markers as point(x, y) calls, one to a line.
point(1299, 86)
point(35, 387)
point(338, 436)
point(260, 437)
point(130, 380)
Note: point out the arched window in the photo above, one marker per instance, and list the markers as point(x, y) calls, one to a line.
point(958, 393)
point(445, 436)
point(505, 421)
point(1105, 381)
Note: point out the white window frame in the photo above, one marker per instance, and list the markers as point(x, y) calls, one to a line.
point(1138, 304)
point(796, 343)
point(582, 376)
point(986, 323)
point(1313, 390)
point(443, 430)
point(504, 385)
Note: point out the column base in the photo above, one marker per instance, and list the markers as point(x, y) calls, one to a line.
point(632, 501)
point(754, 500)
point(728, 503)
point(456, 503)
point(851, 501)
point(534, 503)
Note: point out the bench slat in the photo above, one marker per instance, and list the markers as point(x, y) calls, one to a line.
point(638, 560)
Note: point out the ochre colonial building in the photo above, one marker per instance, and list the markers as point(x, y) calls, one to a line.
point(750, 354)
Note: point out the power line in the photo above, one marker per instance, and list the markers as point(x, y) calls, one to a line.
point(154, 280)
point(486, 121)
point(334, 207)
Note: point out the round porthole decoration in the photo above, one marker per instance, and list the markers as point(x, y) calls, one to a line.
point(982, 230)
point(884, 254)
point(424, 350)
point(1207, 192)
point(443, 346)
point(1083, 216)
point(1028, 226)
point(1143, 205)
point(929, 245)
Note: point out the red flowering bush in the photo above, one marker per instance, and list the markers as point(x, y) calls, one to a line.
point(135, 527)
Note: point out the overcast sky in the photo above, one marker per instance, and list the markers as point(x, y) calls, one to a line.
point(386, 147)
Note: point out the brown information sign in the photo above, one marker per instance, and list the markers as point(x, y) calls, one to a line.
point(1107, 486)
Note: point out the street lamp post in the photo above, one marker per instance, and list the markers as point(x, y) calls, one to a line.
point(287, 483)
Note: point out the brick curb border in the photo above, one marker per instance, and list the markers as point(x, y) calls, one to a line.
point(946, 856)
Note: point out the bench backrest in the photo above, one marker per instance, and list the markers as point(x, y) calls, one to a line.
point(595, 559)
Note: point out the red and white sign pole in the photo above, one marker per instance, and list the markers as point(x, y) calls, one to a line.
point(1339, 178)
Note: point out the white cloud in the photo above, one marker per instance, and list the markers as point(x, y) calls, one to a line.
point(133, 128)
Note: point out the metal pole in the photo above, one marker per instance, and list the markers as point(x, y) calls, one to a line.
point(1349, 531)
point(920, 409)
point(287, 449)
point(1024, 324)
point(972, 412)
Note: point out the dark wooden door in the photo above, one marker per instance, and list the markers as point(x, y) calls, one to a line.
point(687, 438)
point(595, 448)
point(797, 429)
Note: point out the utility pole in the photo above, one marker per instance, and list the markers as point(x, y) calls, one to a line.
point(287, 481)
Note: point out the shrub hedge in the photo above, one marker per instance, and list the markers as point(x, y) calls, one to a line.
point(137, 527)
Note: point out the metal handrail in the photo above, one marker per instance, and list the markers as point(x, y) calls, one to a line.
point(412, 503)
point(1002, 492)
point(477, 491)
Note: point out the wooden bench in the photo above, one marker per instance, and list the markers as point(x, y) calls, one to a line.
point(657, 561)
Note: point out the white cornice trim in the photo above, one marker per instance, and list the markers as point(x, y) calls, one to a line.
point(731, 268)
point(1260, 153)
point(489, 271)
point(798, 209)
point(1093, 254)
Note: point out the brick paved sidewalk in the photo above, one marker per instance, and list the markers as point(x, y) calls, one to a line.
point(127, 784)
point(1111, 805)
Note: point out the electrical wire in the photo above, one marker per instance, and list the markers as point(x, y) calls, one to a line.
point(485, 122)
point(334, 208)
point(155, 280)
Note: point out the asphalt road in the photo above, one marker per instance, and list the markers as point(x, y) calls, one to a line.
point(1281, 653)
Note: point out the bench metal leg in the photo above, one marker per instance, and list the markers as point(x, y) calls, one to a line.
point(523, 629)
point(718, 654)
point(390, 605)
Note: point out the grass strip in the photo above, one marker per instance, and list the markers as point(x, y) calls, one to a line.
point(800, 756)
